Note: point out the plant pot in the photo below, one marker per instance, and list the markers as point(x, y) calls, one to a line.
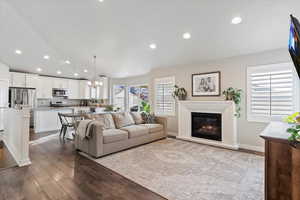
point(181, 98)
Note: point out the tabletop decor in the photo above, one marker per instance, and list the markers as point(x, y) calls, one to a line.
point(206, 84)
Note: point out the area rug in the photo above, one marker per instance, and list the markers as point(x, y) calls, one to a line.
point(180, 170)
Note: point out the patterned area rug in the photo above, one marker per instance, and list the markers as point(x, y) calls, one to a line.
point(182, 170)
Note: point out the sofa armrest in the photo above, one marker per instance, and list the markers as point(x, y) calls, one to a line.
point(163, 121)
point(94, 144)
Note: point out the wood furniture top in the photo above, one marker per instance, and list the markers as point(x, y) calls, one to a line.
point(282, 164)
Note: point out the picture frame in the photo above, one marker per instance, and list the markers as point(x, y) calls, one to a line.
point(206, 84)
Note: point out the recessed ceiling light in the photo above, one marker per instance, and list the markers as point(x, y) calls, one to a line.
point(152, 46)
point(186, 36)
point(85, 71)
point(39, 69)
point(58, 72)
point(46, 57)
point(67, 62)
point(76, 74)
point(101, 1)
point(17, 51)
point(236, 20)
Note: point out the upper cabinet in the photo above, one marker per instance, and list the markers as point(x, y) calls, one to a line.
point(17, 79)
point(78, 89)
point(60, 83)
point(74, 89)
point(31, 80)
point(23, 80)
point(44, 89)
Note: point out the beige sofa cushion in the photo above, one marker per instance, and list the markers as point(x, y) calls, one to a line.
point(137, 117)
point(106, 118)
point(136, 130)
point(114, 135)
point(153, 128)
point(123, 119)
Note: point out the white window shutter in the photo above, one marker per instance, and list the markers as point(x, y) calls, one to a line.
point(164, 102)
point(270, 92)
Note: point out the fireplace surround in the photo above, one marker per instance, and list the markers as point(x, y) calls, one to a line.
point(224, 109)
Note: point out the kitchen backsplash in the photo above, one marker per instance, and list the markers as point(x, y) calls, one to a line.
point(47, 102)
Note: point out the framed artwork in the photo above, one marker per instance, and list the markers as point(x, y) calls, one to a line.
point(206, 84)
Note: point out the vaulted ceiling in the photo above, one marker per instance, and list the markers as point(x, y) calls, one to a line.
point(119, 33)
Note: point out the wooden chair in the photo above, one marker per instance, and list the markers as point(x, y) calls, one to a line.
point(65, 124)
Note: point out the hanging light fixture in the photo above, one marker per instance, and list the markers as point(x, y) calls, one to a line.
point(94, 83)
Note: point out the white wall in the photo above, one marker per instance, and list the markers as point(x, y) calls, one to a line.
point(233, 74)
point(4, 76)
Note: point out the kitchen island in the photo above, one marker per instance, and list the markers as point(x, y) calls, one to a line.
point(46, 118)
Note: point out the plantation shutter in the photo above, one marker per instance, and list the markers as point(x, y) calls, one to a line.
point(271, 92)
point(164, 102)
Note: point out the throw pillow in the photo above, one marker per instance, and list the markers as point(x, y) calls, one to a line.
point(123, 119)
point(137, 117)
point(148, 118)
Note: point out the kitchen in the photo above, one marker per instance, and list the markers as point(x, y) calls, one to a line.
point(47, 96)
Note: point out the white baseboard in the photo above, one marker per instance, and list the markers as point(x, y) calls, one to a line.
point(252, 148)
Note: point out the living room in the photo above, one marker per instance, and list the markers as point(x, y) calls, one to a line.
point(102, 99)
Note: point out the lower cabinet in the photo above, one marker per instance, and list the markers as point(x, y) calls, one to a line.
point(48, 120)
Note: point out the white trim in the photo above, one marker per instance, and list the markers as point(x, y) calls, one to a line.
point(252, 148)
point(168, 79)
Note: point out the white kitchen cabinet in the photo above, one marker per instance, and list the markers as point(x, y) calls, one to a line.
point(48, 120)
point(60, 83)
point(44, 89)
point(17, 79)
point(31, 80)
point(74, 89)
point(84, 90)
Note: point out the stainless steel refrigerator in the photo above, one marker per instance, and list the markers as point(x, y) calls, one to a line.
point(23, 97)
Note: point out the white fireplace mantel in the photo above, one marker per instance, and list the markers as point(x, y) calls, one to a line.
point(229, 128)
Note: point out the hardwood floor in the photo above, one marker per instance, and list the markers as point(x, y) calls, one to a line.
point(59, 173)
point(6, 159)
point(35, 136)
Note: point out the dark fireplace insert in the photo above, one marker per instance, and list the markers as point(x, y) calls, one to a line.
point(207, 126)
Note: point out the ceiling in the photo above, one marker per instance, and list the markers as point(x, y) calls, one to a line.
point(119, 33)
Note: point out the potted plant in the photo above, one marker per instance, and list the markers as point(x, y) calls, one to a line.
point(294, 138)
point(179, 93)
point(234, 95)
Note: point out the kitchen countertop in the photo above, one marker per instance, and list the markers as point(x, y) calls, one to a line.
point(63, 107)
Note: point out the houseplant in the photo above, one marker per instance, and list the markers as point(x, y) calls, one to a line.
point(234, 95)
point(179, 93)
point(294, 130)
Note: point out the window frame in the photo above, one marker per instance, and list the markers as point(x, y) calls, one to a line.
point(124, 100)
point(127, 96)
point(161, 80)
point(267, 68)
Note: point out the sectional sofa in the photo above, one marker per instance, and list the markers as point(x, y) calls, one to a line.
point(119, 131)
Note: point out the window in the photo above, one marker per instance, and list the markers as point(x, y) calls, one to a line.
point(164, 102)
point(138, 98)
point(119, 96)
point(272, 92)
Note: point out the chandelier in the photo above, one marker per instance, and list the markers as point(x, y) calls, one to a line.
point(94, 83)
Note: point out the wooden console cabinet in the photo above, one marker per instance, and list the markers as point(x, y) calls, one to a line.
point(282, 164)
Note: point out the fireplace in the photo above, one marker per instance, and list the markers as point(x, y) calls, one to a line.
point(207, 126)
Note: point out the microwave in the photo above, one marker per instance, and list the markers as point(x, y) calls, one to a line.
point(60, 92)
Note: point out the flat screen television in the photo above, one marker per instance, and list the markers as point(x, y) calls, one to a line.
point(294, 43)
